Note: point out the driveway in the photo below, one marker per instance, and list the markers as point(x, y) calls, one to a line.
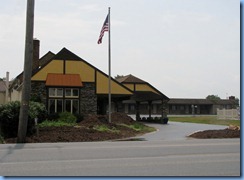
point(176, 130)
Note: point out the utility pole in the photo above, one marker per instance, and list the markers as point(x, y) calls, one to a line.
point(26, 90)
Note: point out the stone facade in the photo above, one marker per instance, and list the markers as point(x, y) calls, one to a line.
point(38, 92)
point(88, 99)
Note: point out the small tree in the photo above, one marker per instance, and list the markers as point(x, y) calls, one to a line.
point(213, 97)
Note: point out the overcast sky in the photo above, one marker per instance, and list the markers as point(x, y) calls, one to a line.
point(184, 48)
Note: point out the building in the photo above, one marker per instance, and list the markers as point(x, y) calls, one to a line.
point(4, 92)
point(142, 101)
point(200, 106)
point(66, 82)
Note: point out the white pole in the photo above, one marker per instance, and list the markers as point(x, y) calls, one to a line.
point(109, 69)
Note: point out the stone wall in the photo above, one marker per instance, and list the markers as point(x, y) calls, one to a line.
point(88, 99)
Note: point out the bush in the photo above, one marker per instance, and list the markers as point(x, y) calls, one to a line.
point(67, 117)
point(9, 118)
point(165, 120)
point(79, 117)
point(53, 116)
point(37, 110)
point(143, 119)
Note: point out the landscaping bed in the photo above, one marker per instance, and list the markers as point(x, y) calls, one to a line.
point(92, 128)
point(230, 132)
point(97, 128)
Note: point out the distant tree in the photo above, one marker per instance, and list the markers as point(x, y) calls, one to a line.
point(213, 97)
point(118, 76)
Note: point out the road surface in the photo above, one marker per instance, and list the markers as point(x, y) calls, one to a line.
point(213, 157)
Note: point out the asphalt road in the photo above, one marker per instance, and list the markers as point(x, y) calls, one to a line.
point(152, 157)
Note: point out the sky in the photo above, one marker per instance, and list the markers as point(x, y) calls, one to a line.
point(184, 48)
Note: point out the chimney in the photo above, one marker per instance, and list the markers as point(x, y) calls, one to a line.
point(36, 51)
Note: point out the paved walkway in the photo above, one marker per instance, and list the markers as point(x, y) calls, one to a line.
point(176, 130)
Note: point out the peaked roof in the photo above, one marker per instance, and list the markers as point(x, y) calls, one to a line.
point(130, 79)
point(65, 54)
point(142, 95)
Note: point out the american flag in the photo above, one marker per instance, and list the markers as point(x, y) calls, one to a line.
point(104, 29)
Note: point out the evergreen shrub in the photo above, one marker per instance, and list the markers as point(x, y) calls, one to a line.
point(9, 118)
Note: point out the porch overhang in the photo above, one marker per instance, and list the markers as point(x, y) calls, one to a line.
point(142, 96)
point(64, 80)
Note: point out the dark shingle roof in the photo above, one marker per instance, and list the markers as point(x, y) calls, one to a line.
point(130, 79)
point(202, 101)
point(189, 101)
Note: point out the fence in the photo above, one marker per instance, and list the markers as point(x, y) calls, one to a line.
point(231, 114)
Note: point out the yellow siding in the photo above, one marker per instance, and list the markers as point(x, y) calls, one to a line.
point(87, 73)
point(145, 87)
point(130, 86)
point(55, 66)
point(102, 86)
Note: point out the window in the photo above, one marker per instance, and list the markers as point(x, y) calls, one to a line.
point(71, 92)
point(63, 99)
point(72, 105)
point(67, 92)
point(55, 106)
point(55, 92)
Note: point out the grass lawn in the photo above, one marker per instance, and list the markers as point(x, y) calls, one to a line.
point(205, 120)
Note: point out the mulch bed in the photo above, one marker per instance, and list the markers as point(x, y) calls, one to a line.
point(222, 133)
point(84, 131)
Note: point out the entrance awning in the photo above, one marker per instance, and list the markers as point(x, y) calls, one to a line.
point(64, 80)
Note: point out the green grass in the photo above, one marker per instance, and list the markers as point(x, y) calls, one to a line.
point(104, 128)
point(140, 127)
point(205, 120)
point(47, 123)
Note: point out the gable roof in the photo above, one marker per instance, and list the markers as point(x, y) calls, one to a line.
point(130, 79)
point(72, 64)
point(66, 54)
point(44, 59)
point(143, 91)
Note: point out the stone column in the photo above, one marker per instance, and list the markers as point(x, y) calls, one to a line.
point(150, 109)
point(137, 111)
point(164, 107)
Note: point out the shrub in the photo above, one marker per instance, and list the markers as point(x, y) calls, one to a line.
point(9, 120)
point(165, 120)
point(144, 119)
point(37, 110)
point(79, 117)
point(67, 117)
point(53, 116)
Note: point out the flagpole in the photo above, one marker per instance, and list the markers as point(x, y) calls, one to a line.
point(109, 69)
